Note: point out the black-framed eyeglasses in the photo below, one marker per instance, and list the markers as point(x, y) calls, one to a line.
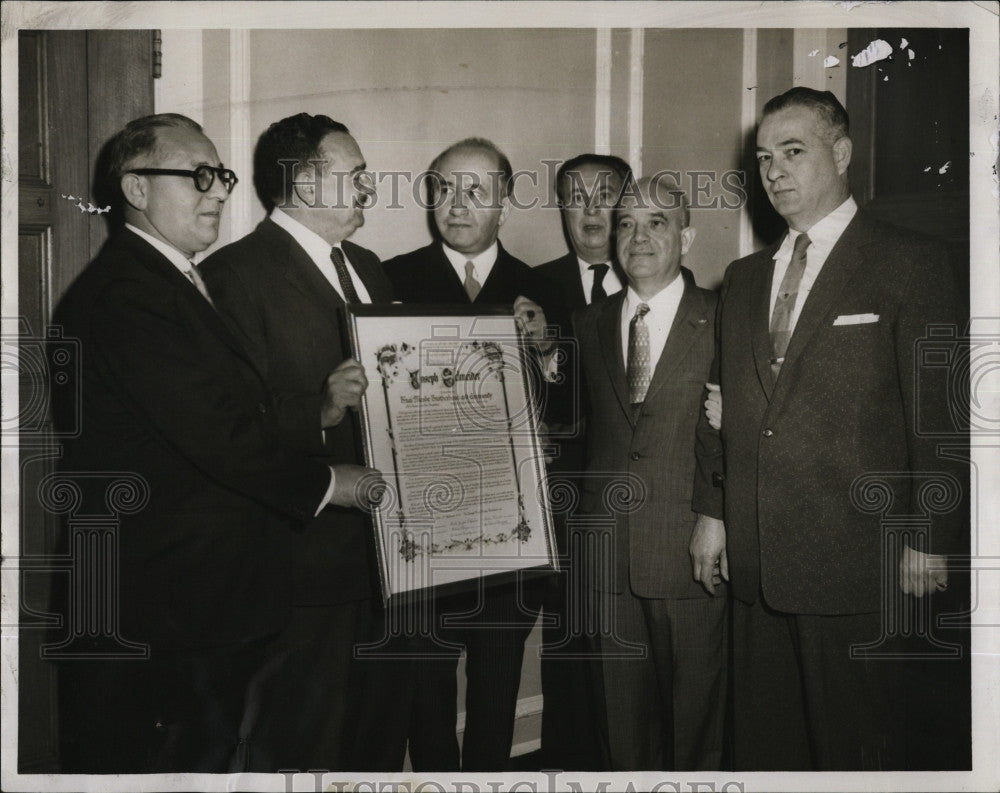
point(203, 175)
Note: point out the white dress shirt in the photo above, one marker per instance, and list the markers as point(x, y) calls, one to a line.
point(318, 250)
point(482, 262)
point(823, 236)
point(612, 283)
point(662, 310)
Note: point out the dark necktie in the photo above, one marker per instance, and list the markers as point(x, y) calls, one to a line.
point(472, 286)
point(784, 304)
point(597, 290)
point(346, 284)
point(637, 370)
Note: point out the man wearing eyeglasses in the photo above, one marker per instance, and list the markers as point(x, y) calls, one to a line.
point(285, 286)
point(173, 402)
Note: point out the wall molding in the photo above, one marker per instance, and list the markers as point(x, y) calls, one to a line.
point(636, 77)
point(240, 208)
point(748, 120)
point(602, 92)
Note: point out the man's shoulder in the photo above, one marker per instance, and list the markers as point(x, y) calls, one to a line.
point(417, 258)
point(256, 250)
point(357, 252)
point(560, 268)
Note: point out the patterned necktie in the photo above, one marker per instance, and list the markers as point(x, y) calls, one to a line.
point(784, 304)
point(195, 278)
point(346, 284)
point(637, 372)
point(597, 290)
point(472, 286)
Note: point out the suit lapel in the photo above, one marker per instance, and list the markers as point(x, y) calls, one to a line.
point(838, 269)
point(369, 272)
point(442, 273)
point(609, 334)
point(570, 274)
point(502, 280)
point(301, 271)
point(691, 319)
point(760, 317)
point(188, 297)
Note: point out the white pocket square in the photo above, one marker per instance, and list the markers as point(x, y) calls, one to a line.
point(855, 319)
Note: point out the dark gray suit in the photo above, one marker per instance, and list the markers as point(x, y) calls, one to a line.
point(805, 546)
point(664, 649)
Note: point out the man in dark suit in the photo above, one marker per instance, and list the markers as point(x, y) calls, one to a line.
point(468, 266)
point(284, 286)
point(170, 395)
point(646, 354)
point(588, 187)
point(817, 343)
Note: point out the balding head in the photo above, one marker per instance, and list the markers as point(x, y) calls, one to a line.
point(651, 223)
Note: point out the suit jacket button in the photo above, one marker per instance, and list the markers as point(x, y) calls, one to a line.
point(768, 433)
point(635, 455)
point(261, 407)
point(717, 479)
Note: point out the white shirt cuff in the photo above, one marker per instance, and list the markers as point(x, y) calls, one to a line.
point(329, 491)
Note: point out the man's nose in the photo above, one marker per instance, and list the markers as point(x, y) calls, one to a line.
point(218, 190)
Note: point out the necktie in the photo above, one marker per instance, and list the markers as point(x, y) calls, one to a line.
point(597, 290)
point(637, 371)
point(346, 284)
point(195, 278)
point(784, 305)
point(472, 286)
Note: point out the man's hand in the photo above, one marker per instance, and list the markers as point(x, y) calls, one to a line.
point(357, 486)
point(532, 320)
point(921, 573)
point(713, 406)
point(343, 390)
point(709, 564)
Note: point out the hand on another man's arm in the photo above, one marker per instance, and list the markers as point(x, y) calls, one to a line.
point(709, 564)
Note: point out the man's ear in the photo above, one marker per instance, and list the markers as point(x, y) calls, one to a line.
point(687, 238)
point(504, 209)
point(304, 187)
point(135, 188)
point(842, 148)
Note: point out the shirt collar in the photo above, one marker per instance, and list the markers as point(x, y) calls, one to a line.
point(824, 233)
point(313, 244)
point(482, 261)
point(176, 258)
point(669, 295)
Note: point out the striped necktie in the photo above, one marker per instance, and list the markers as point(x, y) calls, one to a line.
point(784, 304)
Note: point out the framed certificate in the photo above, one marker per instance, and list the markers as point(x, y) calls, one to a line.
point(449, 419)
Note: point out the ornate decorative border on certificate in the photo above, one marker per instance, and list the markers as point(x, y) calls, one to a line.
point(450, 420)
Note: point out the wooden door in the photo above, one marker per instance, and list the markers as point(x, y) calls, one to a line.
point(75, 89)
